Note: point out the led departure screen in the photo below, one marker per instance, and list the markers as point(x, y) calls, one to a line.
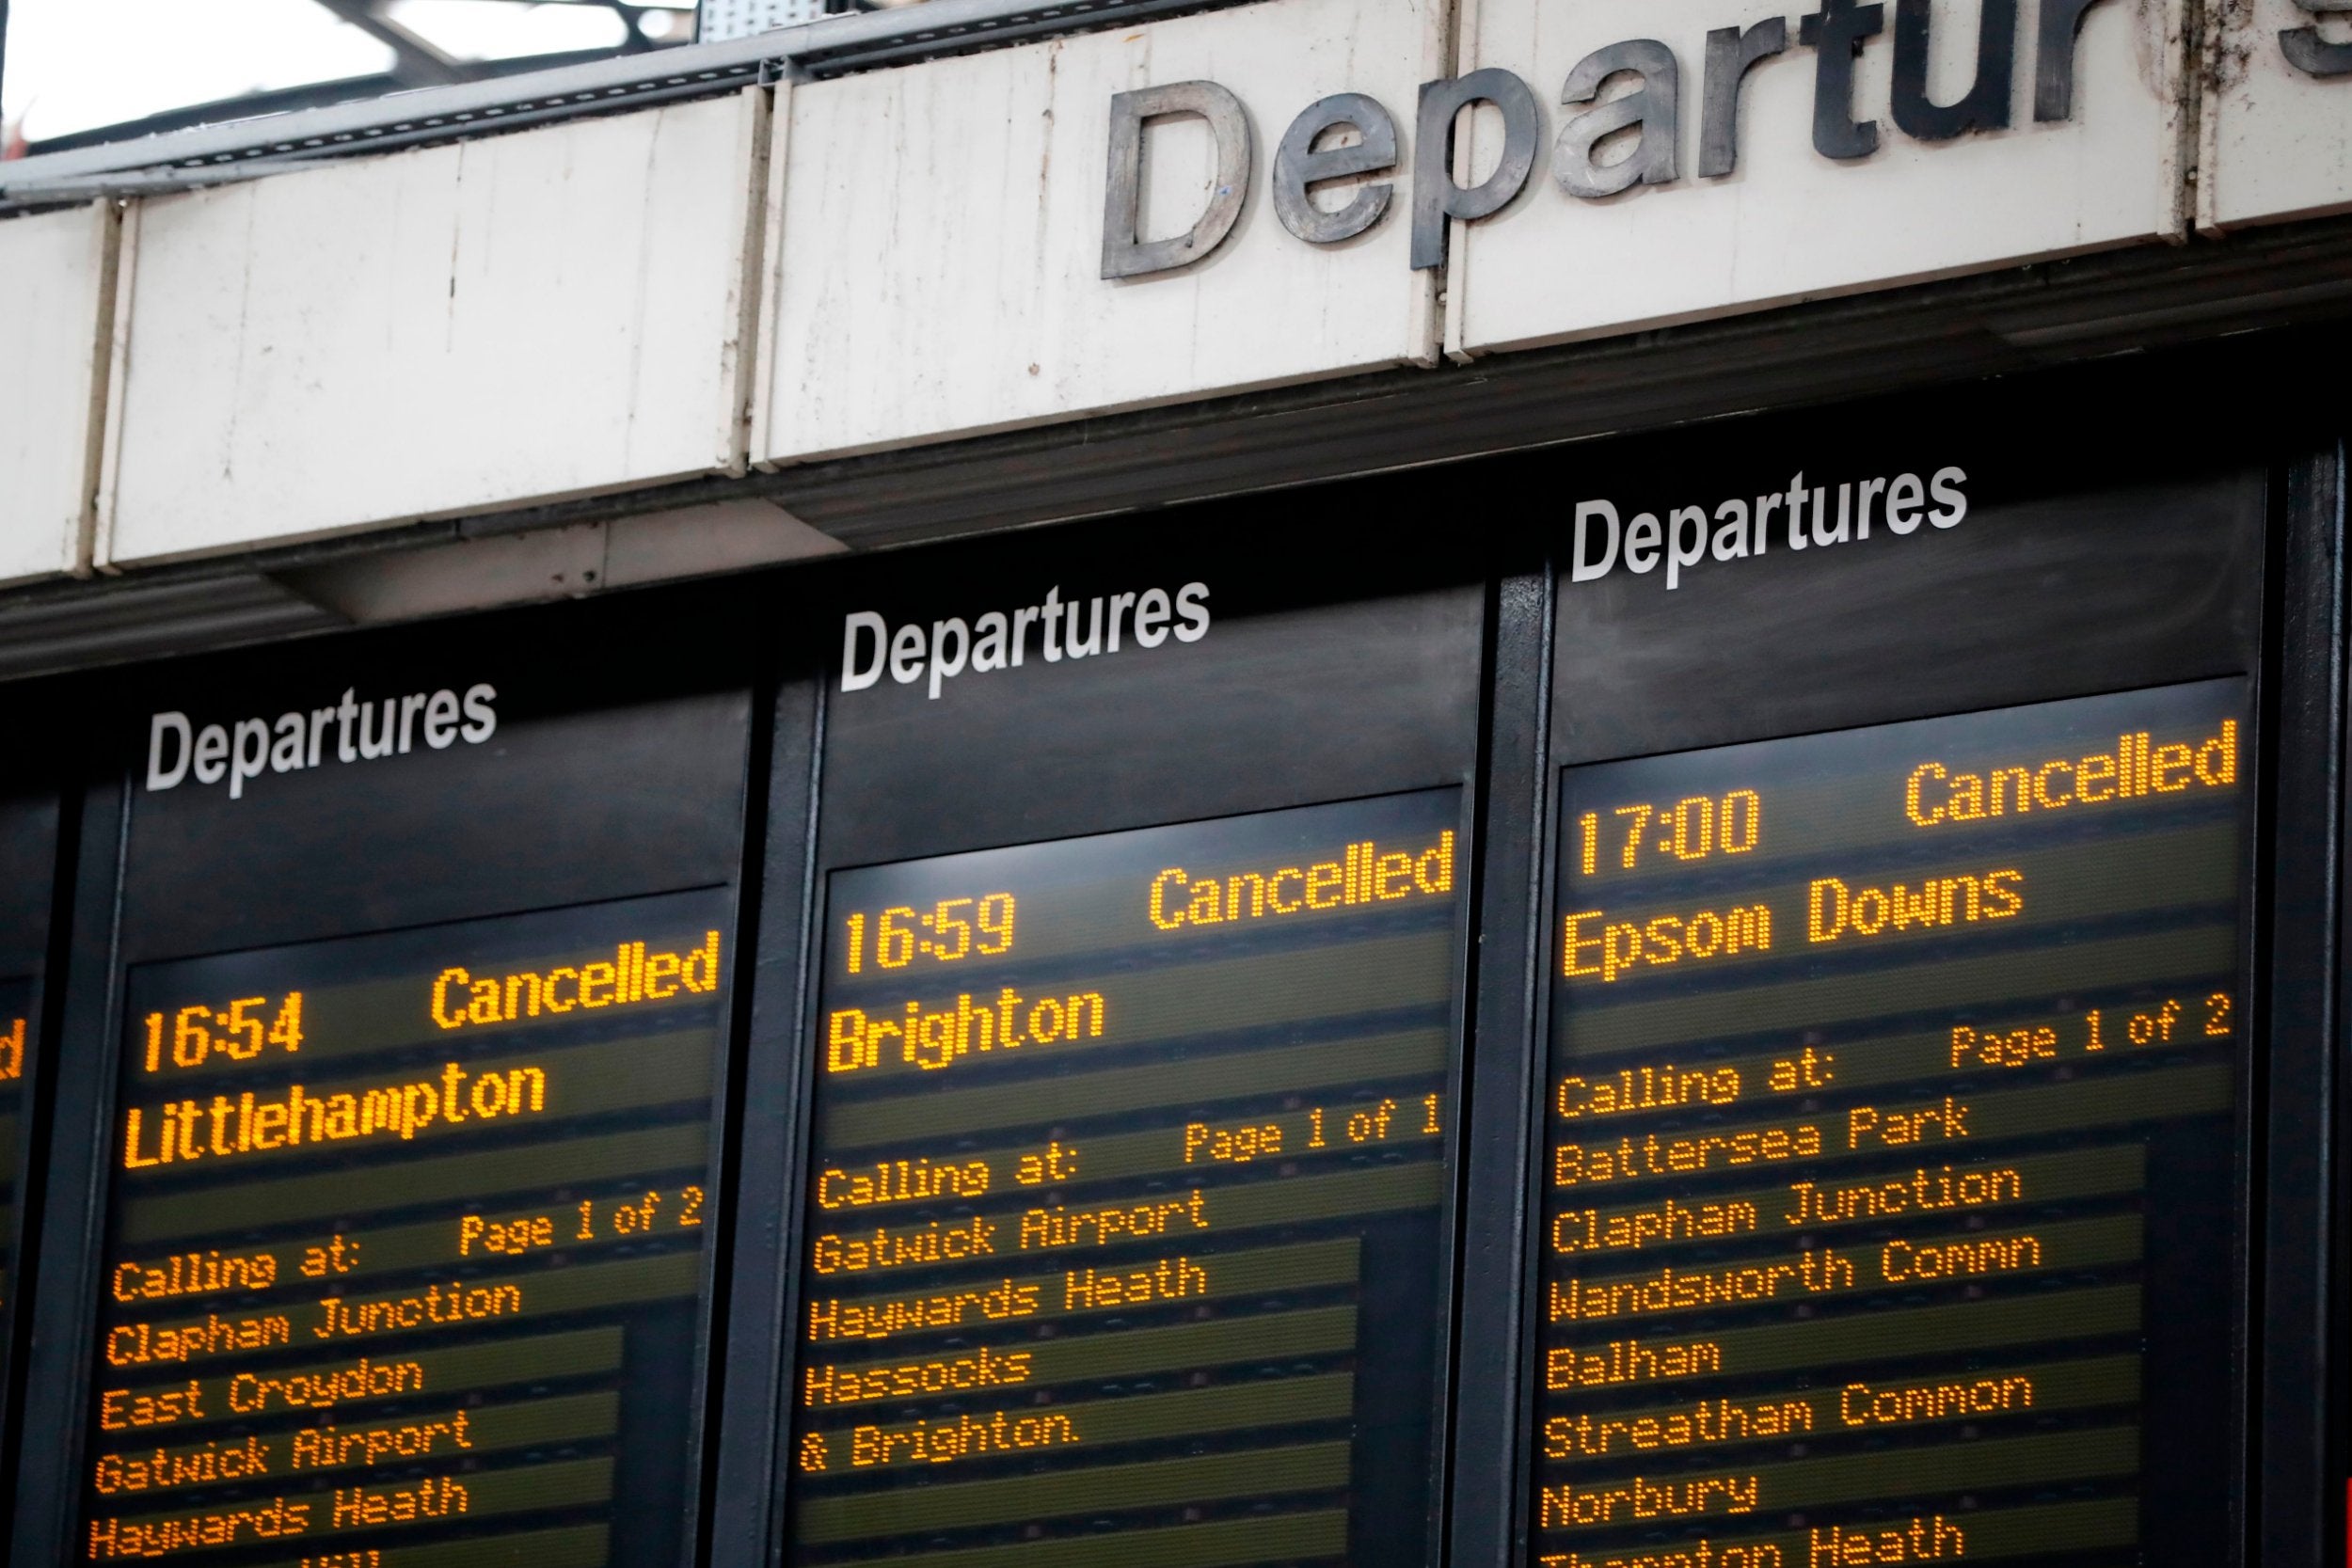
point(406, 1243)
point(1891, 1175)
point(1124, 1206)
point(16, 1035)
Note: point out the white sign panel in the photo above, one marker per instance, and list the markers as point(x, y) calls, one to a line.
point(55, 277)
point(2278, 113)
point(508, 319)
point(938, 232)
point(1696, 158)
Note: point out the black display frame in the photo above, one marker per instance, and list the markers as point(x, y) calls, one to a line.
point(90, 968)
point(2296, 1380)
point(2290, 648)
point(34, 917)
point(1217, 547)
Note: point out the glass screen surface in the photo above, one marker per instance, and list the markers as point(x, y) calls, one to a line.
point(1124, 1231)
point(1891, 1170)
point(16, 1046)
point(404, 1262)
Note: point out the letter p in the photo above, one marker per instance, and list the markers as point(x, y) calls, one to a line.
point(944, 666)
point(1676, 556)
point(242, 767)
point(1437, 199)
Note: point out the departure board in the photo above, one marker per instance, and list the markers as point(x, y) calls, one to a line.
point(16, 1045)
point(1891, 1180)
point(28, 830)
point(1125, 1227)
point(405, 1243)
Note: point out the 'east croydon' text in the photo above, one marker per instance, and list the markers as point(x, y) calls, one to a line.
point(997, 640)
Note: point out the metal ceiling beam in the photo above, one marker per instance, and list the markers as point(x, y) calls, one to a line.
point(417, 62)
point(832, 46)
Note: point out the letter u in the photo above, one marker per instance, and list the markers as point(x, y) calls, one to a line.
point(1093, 643)
point(369, 745)
point(1985, 106)
point(1845, 517)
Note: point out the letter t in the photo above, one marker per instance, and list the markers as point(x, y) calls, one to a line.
point(1836, 33)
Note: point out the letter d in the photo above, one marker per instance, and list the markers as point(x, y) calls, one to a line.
point(1825, 904)
point(158, 776)
point(1582, 568)
point(853, 678)
point(1125, 252)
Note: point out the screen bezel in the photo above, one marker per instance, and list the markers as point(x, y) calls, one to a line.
point(558, 643)
point(2238, 1118)
point(2280, 628)
point(29, 940)
point(1324, 766)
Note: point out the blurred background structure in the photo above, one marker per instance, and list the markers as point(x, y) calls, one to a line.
point(77, 71)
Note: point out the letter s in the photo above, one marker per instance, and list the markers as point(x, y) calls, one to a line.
point(1944, 487)
point(480, 723)
point(1192, 612)
point(158, 776)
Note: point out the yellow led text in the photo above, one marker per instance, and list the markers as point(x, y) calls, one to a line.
point(931, 1040)
point(1921, 1541)
point(921, 1179)
point(1363, 874)
point(1921, 1192)
point(909, 1246)
point(1859, 1405)
point(1933, 794)
point(187, 1130)
point(435, 1306)
point(195, 1274)
point(1590, 1231)
point(1595, 945)
point(1719, 1420)
point(1701, 1552)
point(1630, 1361)
point(1058, 1226)
point(967, 1436)
point(145, 1344)
point(1834, 910)
point(1631, 1159)
point(836, 1319)
point(325, 1448)
point(2171, 1022)
point(1569, 1507)
point(1099, 1289)
point(235, 1031)
point(634, 976)
point(1816, 1270)
point(510, 1236)
point(234, 1527)
point(984, 1368)
point(1645, 1088)
point(205, 1466)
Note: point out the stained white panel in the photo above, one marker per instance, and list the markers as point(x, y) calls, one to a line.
point(2278, 142)
point(512, 319)
point(938, 270)
point(1789, 224)
point(54, 288)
